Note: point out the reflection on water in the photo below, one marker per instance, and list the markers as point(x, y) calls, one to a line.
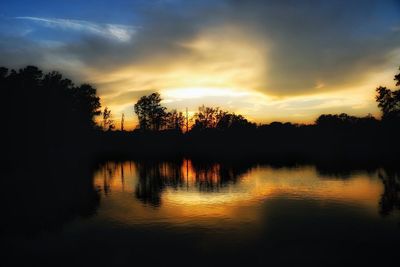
point(151, 179)
point(192, 193)
point(202, 213)
point(390, 199)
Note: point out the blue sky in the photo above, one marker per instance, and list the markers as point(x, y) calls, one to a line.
point(120, 11)
point(288, 60)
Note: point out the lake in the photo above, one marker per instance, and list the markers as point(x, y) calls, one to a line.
point(185, 212)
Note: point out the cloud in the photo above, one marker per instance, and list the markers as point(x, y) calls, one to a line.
point(279, 48)
point(330, 42)
point(118, 32)
point(125, 98)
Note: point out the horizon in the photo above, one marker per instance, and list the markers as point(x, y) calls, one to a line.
point(267, 60)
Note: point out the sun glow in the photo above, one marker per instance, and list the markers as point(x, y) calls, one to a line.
point(231, 73)
point(199, 92)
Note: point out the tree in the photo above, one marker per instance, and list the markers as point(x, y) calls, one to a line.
point(335, 120)
point(3, 73)
point(233, 121)
point(174, 120)
point(60, 105)
point(47, 112)
point(86, 103)
point(397, 78)
point(207, 117)
point(122, 122)
point(108, 123)
point(389, 101)
point(151, 114)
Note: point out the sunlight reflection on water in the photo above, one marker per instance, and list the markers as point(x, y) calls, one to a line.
point(184, 193)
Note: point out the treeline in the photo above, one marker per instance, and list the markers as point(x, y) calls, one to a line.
point(45, 116)
point(153, 116)
point(215, 133)
point(49, 116)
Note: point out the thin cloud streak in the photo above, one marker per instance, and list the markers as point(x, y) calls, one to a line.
point(122, 33)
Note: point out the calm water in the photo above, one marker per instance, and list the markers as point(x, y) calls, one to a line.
point(188, 213)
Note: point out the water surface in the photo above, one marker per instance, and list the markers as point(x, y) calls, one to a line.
point(199, 213)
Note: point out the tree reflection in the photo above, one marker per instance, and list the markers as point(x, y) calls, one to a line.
point(211, 176)
point(154, 177)
point(390, 199)
point(109, 170)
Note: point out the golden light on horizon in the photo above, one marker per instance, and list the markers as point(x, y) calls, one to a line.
point(176, 86)
point(232, 74)
point(201, 92)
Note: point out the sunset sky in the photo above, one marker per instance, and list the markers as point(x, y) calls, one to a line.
point(268, 60)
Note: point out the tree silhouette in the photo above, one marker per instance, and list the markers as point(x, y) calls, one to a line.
point(122, 122)
point(233, 121)
point(335, 120)
point(86, 102)
point(108, 123)
point(47, 111)
point(207, 117)
point(150, 112)
point(389, 101)
point(215, 118)
point(174, 120)
point(3, 73)
point(397, 78)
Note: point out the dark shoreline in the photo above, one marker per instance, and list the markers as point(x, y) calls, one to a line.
point(374, 146)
